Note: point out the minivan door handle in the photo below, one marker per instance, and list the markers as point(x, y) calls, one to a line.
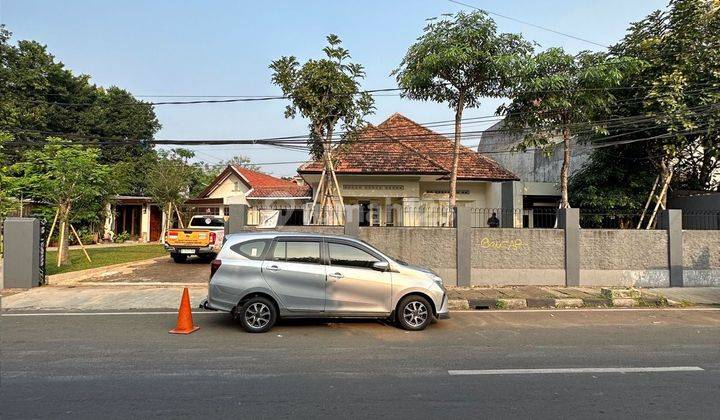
point(336, 276)
point(273, 268)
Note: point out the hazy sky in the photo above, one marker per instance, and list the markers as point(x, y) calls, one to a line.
point(210, 47)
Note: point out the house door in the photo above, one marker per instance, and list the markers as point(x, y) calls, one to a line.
point(155, 223)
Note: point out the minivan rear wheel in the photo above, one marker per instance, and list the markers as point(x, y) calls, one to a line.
point(257, 314)
point(414, 313)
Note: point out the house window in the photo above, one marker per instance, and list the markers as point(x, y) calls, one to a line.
point(236, 186)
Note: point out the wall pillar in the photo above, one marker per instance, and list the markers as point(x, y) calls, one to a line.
point(21, 261)
point(463, 231)
point(672, 219)
point(569, 221)
point(511, 200)
point(237, 218)
point(352, 220)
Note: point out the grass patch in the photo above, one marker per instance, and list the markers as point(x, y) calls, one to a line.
point(102, 257)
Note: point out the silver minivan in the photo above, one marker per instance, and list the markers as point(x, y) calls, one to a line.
point(261, 276)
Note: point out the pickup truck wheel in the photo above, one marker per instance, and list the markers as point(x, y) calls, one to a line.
point(179, 258)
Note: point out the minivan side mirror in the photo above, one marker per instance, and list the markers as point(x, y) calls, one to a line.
point(381, 266)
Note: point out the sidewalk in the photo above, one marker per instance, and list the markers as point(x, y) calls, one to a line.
point(137, 296)
point(101, 298)
point(521, 297)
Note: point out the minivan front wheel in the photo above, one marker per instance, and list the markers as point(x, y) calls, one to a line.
point(257, 315)
point(414, 313)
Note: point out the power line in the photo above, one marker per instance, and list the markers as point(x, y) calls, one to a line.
point(530, 24)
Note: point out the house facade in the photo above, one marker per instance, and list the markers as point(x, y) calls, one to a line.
point(142, 220)
point(262, 193)
point(539, 184)
point(398, 173)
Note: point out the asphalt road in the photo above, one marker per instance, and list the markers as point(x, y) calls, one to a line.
point(117, 366)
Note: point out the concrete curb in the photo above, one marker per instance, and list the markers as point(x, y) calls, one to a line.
point(559, 303)
point(73, 277)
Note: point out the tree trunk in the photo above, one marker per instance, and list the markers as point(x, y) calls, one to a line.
point(456, 155)
point(332, 206)
point(565, 171)
point(63, 245)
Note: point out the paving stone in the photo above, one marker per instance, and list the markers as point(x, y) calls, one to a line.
point(625, 302)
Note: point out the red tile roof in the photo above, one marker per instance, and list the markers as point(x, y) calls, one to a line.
point(262, 185)
point(401, 146)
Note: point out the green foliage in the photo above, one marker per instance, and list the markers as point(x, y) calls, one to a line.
point(121, 237)
point(615, 178)
point(559, 96)
point(102, 257)
point(459, 60)
point(325, 91)
point(169, 178)
point(40, 97)
point(678, 90)
point(554, 91)
point(7, 185)
point(64, 175)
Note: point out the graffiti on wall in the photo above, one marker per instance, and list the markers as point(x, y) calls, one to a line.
point(502, 244)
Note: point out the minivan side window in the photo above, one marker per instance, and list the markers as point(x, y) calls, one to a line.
point(297, 251)
point(350, 256)
point(253, 250)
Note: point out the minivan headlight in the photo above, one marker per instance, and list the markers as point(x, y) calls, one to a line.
point(436, 279)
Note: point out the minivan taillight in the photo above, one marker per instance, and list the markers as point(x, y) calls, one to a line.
point(214, 265)
point(213, 237)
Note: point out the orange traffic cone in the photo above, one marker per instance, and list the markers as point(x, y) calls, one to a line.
point(184, 322)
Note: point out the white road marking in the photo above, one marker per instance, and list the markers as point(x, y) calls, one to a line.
point(575, 370)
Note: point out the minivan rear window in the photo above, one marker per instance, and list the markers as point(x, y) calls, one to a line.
point(253, 250)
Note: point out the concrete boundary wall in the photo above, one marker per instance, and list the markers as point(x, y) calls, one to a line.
point(508, 256)
point(468, 256)
point(701, 257)
point(624, 257)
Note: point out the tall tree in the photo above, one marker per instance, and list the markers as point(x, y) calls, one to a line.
point(459, 60)
point(69, 177)
point(559, 95)
point(169, 180)
point(40, 97)
point(677, 92)
point(327, 92)
point(7, 203)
